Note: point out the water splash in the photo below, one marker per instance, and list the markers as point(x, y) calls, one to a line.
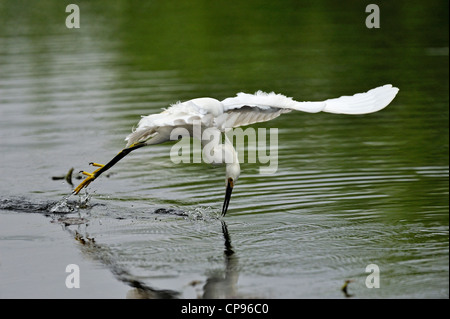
point(203, 213)
point(64, 206)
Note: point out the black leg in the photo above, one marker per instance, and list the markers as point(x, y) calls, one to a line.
point(103, 168)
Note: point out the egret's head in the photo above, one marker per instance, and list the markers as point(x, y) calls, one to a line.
point(232, 173)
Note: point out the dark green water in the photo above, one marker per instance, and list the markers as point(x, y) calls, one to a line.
point(349, 190)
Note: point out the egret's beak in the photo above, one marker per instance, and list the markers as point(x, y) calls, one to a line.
point(230, 185)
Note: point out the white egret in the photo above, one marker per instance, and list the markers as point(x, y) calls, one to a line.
point(243, 109)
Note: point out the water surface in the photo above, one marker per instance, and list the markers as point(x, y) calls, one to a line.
point(349, 190)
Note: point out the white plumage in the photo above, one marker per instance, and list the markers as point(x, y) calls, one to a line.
point(243, 109)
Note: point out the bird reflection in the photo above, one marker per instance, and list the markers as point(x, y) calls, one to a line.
point(103, 254)
point(218, 286)
point(224, 286)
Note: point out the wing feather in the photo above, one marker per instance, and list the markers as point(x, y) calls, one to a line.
point(245, 109)
point(360, 103)
point(247, 115)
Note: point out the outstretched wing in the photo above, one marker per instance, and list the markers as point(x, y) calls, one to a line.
point(245, 109)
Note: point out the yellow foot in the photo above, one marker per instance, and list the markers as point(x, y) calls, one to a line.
point(96, 164)
point(90, 178)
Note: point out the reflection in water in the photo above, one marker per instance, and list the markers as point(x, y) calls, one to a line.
point(224, 286)
point(103, 254)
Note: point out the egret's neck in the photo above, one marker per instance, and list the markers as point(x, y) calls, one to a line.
point(230, 155)
point(233, 169)
point(216, 152)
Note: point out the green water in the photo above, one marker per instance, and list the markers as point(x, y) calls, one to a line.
point(349, 190)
